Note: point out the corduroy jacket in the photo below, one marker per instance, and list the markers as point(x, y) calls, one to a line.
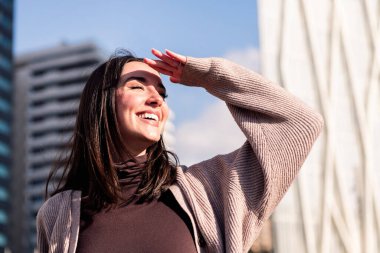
point(228, 197)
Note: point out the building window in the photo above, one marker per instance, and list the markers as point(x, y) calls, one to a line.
point(5, 42)
point(4, 172)
point(4, 149)
point(3, 217)
point(4, 105)
point(3, 194)
point(4, 127)
point(3, 240)
point(4, 84)
point(7, 3)
point(5, 63)
point(5, 21)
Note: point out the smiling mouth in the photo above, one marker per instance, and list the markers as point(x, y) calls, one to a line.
point(148, 116)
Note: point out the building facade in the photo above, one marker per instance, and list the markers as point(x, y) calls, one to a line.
point(6, 48)
point(328, 53)
point(48, 85)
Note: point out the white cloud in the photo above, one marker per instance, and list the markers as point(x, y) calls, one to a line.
point(214, 131)
point(248, 57)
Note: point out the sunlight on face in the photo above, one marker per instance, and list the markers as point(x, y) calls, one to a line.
point(140, 106)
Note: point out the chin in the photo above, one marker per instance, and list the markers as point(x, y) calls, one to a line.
point(153, 139)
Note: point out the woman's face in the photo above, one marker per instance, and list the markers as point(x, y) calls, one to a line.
point(140, 106)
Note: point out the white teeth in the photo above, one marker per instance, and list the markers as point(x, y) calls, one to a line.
point(149, 116)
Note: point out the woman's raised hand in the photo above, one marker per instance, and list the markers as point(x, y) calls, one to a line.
point(169, 63)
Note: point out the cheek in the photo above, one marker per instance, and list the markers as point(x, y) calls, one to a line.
point(165, 112)
point(125, 102)
point(123, 107)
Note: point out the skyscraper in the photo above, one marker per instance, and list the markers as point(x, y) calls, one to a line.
point(328, 53)
point(6, 34)
point(48, 85)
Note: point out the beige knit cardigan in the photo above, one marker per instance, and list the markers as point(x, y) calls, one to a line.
point(228, 197)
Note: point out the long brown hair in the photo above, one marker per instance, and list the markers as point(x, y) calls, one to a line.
point(89, 165)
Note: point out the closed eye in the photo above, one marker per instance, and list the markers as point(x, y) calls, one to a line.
point(136, 87)
point(134, 79)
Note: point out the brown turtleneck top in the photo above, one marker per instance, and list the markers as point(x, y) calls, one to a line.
point(157, 226)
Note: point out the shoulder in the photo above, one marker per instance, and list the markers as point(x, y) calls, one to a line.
point(53, 206)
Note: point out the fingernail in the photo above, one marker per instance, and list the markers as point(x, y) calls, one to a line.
point(156, 51)
point(146, 60)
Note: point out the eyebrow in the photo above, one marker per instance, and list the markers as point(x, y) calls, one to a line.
point(144, 80)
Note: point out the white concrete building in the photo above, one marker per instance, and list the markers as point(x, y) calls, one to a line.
point(327, 53)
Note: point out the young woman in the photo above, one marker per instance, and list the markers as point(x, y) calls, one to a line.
point(120, 191)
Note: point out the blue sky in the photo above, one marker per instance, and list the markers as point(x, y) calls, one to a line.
point(200, 28)
point(194, 28)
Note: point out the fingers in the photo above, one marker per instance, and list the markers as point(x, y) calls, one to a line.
point(164, 71)
point(170, 57)
point(178, 57)
point(168, 63)
point(165, 58)
point(160, 66)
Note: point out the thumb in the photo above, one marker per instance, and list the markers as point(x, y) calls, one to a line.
point(174, 79)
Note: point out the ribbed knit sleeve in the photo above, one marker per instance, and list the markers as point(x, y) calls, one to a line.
point(232, 195)
point(58, 223)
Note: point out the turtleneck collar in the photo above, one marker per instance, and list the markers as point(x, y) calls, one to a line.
point(130, 174)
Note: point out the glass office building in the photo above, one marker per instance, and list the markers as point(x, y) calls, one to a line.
point(6, 24)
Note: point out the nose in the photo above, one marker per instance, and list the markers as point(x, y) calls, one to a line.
point(155, 99)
